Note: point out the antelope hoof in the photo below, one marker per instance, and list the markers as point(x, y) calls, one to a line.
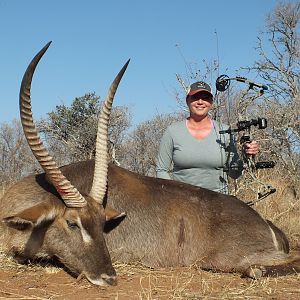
point(256, 272)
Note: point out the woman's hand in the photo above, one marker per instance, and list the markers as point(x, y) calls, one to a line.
point(251, 148)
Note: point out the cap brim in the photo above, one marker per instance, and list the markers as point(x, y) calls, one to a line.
point(191, 93)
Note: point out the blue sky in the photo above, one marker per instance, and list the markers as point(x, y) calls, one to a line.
point(91, 40)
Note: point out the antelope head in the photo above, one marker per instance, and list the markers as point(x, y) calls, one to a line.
point(67, 224)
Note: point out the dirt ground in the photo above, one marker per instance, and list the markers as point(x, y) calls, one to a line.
point(137, 282)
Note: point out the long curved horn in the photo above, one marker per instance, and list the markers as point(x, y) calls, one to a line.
point(101, 161)
point(69, 194)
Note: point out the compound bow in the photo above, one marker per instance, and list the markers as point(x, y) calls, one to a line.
point(245, 126)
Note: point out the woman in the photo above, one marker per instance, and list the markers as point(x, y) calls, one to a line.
point(199, 154)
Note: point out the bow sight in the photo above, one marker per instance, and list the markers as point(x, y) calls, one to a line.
point(243, 125)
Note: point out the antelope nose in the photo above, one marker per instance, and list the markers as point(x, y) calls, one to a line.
point(109, 279)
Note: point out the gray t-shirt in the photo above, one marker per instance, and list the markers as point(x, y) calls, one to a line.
point(184, 158)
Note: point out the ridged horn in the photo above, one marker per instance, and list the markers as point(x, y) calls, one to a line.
point(70, 195)
point(101, 160)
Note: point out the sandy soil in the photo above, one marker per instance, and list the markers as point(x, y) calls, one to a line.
point(137, 282)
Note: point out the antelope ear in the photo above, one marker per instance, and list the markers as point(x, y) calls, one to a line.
point(30, 217)
point(112, 214)
point(113, 218)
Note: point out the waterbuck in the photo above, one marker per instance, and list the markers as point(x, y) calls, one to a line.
point(44, 218)
point(168, 223)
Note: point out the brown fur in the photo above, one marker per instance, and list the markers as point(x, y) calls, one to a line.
point(168, 224)
point(36, 224)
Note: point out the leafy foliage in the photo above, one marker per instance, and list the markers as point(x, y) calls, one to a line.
point(72, 130)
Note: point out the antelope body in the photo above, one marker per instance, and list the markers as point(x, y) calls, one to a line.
point(175, 224)
point(72, 214)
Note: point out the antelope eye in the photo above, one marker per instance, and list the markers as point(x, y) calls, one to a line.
point(72, 225)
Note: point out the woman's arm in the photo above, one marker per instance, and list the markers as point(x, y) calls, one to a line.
point(165, 156)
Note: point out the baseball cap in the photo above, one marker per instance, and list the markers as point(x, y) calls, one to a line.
point(199, 86)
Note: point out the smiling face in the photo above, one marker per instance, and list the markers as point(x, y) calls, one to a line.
point(199, 104)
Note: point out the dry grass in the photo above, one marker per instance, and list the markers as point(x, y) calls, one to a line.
point(139, 282)
point(2, 190)
point(192, 283)
point(8, 263)
point(282, 208)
